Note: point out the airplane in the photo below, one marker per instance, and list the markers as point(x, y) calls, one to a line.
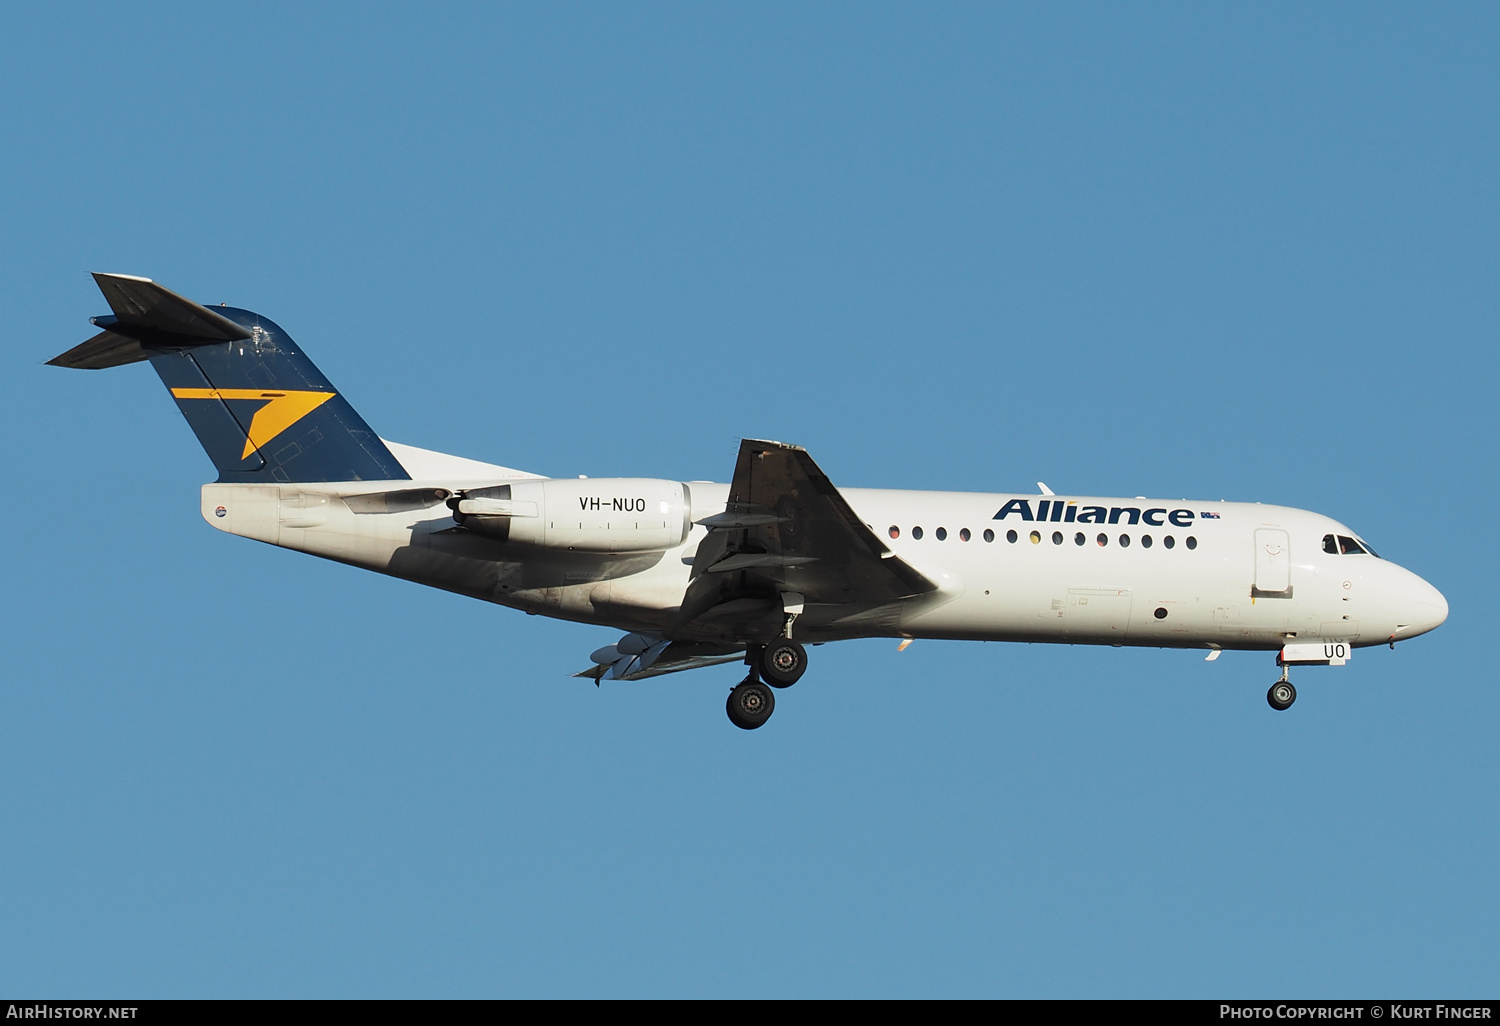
point(756, 570)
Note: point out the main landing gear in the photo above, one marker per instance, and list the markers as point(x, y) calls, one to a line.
point(782, 664)
point(750, 704)
point(1282, 694)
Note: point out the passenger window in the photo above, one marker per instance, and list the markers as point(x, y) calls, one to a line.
point(916, 532)
point(1079, 539)
point(1192, 542)
point(1145, 541)
point(989, 535)
point(1330, 546)
point(1036, 537)
point(1124, 541)
point(1010, 536)
point(895, 531)
point(1103, 540)
point(1056, 537)
point(1169, 541)
point(1349, 546)
point(963, 535)
point(942, 534)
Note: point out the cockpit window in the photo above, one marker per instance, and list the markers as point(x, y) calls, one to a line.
point(1346, 546)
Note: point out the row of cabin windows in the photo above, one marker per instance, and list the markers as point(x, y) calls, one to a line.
point(1058, 538)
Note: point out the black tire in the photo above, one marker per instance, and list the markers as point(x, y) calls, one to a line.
point(750, 705)
point(1282, 695)
point(782, 663)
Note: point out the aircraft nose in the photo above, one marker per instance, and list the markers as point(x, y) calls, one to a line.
point(1426, 609)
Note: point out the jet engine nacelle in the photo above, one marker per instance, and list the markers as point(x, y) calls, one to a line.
point(607, 514)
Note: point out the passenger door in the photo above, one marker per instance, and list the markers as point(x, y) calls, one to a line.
point(1273, 564)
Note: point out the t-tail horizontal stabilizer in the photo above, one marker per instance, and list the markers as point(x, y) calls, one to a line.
point(145, 314)
point(262, 411)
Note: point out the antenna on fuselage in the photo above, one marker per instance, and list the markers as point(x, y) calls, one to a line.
point(1045, 489)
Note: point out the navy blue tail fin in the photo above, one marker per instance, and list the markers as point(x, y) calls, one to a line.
point(259, 407)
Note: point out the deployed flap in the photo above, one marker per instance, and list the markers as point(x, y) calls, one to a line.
point(638, 656)
point(786, 529)
point(143, 307)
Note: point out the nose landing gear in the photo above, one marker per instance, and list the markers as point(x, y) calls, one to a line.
point(1282, 694)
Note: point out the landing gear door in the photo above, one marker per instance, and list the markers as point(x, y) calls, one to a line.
point(1273, 563)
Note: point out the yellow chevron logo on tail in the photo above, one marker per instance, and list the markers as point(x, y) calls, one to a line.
point(282, 409)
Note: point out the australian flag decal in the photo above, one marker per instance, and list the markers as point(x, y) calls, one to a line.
point(1209, 516)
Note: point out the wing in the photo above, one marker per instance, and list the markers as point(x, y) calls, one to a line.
point(788, 544)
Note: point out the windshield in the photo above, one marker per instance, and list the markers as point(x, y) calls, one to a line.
point(1344, 545)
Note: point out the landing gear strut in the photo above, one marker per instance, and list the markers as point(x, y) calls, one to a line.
point(750, 704)
point(1282, 694)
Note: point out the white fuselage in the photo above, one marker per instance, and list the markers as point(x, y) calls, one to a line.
point(1147, 584)
point(1183, 574)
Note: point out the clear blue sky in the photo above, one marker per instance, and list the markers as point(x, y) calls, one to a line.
point(1188, 250)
